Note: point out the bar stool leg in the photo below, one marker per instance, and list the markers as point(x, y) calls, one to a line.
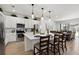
point(54, 50)
point(59, 49)
point(34, 51)
point(65, 46)
point(62, 47)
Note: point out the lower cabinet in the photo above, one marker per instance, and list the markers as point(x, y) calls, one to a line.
point(10, 37)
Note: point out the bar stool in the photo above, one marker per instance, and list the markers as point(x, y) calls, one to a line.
point(55, 44)
point(43, 46)
point(62, 42)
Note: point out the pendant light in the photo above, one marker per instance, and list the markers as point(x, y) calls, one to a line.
point(32, 11)
point(13, 11)
point(13, 6)
point(42, 14)
point(49, 15)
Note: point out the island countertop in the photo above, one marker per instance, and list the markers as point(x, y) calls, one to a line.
point(30, 36)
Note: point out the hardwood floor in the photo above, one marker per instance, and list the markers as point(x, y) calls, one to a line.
point(2, 48)
point(17, 48)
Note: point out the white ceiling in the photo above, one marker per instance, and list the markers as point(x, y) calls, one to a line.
point(59, 11)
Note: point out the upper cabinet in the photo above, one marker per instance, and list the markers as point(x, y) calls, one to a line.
point(20, 20)
point(11, 22)
point(28, 23)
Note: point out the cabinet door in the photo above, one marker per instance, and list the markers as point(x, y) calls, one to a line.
point(10, 22)
point(31, 24)
point(20, 20)
point(28, 23)
point(9, 36)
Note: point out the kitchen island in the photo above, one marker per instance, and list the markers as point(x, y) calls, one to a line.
point(29, 41)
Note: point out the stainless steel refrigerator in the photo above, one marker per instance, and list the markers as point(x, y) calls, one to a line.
point(2, 43)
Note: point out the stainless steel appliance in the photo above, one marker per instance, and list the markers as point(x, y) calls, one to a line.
point(2, 43)
point(20, 31)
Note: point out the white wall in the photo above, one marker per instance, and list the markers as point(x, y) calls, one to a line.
point(71, 22)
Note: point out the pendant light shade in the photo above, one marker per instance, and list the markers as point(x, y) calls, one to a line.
point(42, 17)
point(32, 11)
point(14, 10)
point(49, 15)
point(32, 16)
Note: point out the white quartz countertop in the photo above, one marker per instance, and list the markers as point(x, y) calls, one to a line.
point(31, 36)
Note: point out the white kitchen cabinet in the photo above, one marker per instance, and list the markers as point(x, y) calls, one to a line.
point(9, 36)
point(10, 22)
point(26, 23)
point(10, 25)
point(29, 23)
point(20, 20)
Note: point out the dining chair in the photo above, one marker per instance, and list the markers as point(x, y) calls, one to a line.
point(69, 35)
point(73, 35)
point(42, 47)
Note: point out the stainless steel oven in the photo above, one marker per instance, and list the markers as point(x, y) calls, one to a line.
point(20, 31)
